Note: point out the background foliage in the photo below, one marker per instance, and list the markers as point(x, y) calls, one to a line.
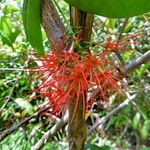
point(129, 128)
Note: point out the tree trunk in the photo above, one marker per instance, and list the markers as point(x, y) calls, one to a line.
point(77, 127)
point(52, 24)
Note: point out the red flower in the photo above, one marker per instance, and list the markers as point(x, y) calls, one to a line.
point(69, 76)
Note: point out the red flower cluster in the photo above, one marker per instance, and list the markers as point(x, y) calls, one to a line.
point(69, 76)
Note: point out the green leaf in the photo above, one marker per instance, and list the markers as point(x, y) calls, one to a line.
point(140, 71)
point(14, 35)
point(145, 129)
point(6, 25)
point(7, 34)
point(136, 120)
point(50, 146)
point(126, 56)
point(5, 38)
point(32, 26)
point(128, 27)
point(9, 9)
point(110, 23)
point(113, 8)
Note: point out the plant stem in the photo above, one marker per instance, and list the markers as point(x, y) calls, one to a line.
point(77, 128)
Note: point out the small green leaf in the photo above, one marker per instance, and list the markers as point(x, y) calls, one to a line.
point(136, 120)
point(128, 27)
point(8, 36)
point(145, 129)
point(5, 38)
point(14, 35)
point(6, 25)
point(126, 56)
point(9, 9)
point(110, 23)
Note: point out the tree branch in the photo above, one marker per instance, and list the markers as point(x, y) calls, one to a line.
point(64, 121)
point(114, 111)
point(122, 29)
point(19, 69)
point(9, 131)
point(52, 23)
point(82, 22)
point(136, 63)
point(119, 37)
point(51, 133)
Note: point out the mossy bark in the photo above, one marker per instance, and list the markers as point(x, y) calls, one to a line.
point(77, 126)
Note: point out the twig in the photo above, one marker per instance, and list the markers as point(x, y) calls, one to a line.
point(83, 23)
point(114, 111)
point(61, 12)
point(119, 37)
point(122, 29)
point(18, 69)
point(9, 131)
point(51, 132)
point(64, 121)
point(136, 63)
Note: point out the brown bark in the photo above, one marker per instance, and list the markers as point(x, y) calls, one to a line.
point(77, 127)
point(52, 24)
point(81, 20)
